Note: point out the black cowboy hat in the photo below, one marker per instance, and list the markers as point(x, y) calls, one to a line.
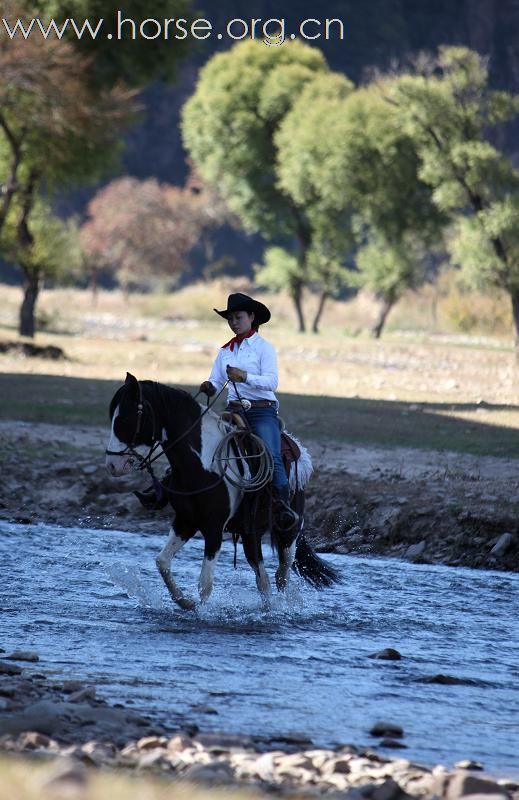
point(242, 302)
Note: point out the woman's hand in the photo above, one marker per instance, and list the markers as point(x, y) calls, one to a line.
point(236, 375)
point(207, 388)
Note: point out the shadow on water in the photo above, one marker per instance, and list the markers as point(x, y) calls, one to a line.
point(62, 400)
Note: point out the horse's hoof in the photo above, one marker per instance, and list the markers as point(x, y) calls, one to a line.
point(186, 604)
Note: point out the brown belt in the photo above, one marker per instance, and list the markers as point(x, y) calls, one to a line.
point(235, 405)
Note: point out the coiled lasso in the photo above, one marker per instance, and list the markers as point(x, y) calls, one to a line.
point(250, 452)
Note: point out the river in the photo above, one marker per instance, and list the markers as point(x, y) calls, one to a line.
point(92, 604)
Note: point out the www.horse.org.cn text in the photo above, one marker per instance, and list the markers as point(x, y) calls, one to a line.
point(272, 31)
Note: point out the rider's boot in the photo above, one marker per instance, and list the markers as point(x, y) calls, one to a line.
point(286, 519)
point(154, 497)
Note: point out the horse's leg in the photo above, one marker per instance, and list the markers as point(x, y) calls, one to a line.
point(287, 543)
point(178, 536)
point(213, 544)
point(286, 556)
point(253, 554)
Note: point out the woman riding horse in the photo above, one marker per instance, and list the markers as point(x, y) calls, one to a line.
point(250, 361)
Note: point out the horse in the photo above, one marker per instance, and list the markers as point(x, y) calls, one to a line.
point(149, 419)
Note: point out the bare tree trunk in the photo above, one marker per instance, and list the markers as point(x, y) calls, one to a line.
point(11, 187)
point(31, 290)
point(319, 313)
point(296, 293)
point(388, 301)
point(514, 294)
point(93, 284)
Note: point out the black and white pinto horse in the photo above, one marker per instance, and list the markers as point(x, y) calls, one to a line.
point(149, 417)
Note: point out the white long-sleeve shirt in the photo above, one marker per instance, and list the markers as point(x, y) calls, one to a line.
point(258, 359)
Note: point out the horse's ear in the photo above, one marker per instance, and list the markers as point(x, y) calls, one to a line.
point(131, 381)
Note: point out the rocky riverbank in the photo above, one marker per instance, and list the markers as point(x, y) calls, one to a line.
point(424, 506)
point(67, 721)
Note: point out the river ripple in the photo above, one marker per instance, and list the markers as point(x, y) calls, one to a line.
point(92, 604)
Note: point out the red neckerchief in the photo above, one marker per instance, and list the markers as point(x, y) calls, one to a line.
point(237, 339)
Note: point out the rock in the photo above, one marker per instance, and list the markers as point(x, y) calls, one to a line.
point(32, 740)
point(10, 669)
point(179, 743)
point(154, 758)
point(23, 655)
point(393, 743)
point(388, 790)
point(460, 785)
point(88, 693)
point(67, 777)
point(449, 680)
point(72, 686)
point(201, 708)
point(215, 773)
point(151, 742)
point(415, 550)
point(98, 753)
point(502, 545)
point(468, 764)
point(386, 729)
point(89, 469)
point(223, 741)
point(388, 654)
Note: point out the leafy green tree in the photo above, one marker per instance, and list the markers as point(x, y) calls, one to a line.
point(362, 191)
point(134, 62)
point(447, 107)
point(229, 127)
point(53, 253)
point(298, 143)
point(55, 131)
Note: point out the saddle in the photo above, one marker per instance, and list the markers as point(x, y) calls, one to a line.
point(290, 450)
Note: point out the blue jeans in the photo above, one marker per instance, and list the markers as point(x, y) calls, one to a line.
point(264, 423)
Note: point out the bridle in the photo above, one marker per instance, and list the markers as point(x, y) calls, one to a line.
point(145, 462)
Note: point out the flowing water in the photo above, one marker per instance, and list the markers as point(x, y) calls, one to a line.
point(93, 605)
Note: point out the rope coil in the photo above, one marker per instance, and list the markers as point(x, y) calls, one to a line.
point(251, 468)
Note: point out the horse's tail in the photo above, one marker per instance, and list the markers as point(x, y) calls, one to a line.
point(313, 569)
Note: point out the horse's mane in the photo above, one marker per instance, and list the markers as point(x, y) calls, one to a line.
point(162, 394)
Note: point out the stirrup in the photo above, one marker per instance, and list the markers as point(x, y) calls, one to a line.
point(151, 499)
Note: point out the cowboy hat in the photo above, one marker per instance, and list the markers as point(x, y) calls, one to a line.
point(242, 302)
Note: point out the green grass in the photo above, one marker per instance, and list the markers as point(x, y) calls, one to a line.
point(66, 401)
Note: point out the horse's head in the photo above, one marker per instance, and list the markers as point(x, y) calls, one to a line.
point(132, 428)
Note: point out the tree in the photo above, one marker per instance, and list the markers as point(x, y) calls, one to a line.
point(361, 188)
point(298, 164)
point(55, 130)
point(143, 229)
point(448, 109)
point(53, 253)
point(229, 127)
point(134, 62)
